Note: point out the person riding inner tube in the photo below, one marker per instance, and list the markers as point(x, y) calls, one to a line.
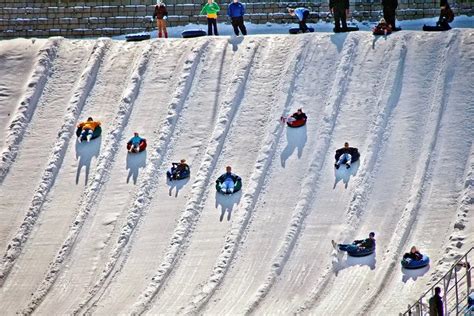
point(383, 28)
point(346, 155)
point(179, 170)
point(297, 119)
point(414, 259)
point(360, 247)
point(88, 130)
point(228, 182)
point(136, 143)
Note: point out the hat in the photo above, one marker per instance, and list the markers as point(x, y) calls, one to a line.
point(183, 160)
point(90, 118)
point(382, 20)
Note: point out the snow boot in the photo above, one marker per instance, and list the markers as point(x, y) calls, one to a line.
point(89, 138)
point(160, 35)
point(348, 165)
point(166, 34)
point(336, 166)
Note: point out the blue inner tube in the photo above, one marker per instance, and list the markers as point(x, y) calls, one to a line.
point(95, 134)
point(361, 252)
point(296, 30)
point(415, 264)
point(193, 33)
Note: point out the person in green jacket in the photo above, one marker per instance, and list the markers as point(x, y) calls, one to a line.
point(210, 9)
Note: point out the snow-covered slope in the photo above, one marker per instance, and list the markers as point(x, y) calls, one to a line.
point(88, 228)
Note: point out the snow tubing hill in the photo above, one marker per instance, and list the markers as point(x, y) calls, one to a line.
point(183, 175)
point(429, 28)
point(141, 146)
point(193, 33)
point(296, 30)
point(95, 134)
point(415, 264)
point(237, 187)
point(361, 252)
point(137, 37)
point(296, 123)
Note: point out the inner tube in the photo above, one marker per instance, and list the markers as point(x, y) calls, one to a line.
point(193, 33)
point(380, 32)
point(141, 146)
point(439, 28)
point(96, 133)
point(361, 252)
point(348, 29)
point(409, 263)
point(296, 123)
point(237, 187)
point(172, 175)
point(137, 37)
point(296, 30)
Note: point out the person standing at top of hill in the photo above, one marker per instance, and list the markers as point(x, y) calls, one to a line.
point(161, 14)
point(302, 15)
point(340, 11)
point(236, 11)
point(389, 8)
point(210, 9)
point(446, 15)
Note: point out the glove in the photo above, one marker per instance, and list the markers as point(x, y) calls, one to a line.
point(165, 17)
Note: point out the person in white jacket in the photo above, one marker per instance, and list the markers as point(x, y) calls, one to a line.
point(302, 15)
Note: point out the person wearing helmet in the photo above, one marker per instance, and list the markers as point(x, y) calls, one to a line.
point(135, 142)
point(87, 129)
point(367, 243)
point(228, 182)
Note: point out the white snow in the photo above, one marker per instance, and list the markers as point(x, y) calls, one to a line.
point(89, 229)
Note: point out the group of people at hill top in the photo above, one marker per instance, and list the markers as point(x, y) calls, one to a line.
point(338, 8)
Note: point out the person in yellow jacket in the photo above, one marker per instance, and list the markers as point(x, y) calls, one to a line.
point(210, 9)
point(87, 129)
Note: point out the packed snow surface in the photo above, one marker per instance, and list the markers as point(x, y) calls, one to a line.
point(88, 228)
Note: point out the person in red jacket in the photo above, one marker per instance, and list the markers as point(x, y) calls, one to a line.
point(161, 15)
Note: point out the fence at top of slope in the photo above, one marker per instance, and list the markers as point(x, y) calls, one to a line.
point(45, 18)
point(456, 285)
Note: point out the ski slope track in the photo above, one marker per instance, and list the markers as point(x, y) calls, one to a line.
point(47, 180)
point(142, 199)
point(127, 241)
point(27, 105)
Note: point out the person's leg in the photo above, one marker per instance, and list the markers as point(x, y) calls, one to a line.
point(209, 27)
point(242, 27)
point(89, 134)
point(303, 26)
point(344, 20)
point(158, 25)
point(337, 21)
point(165, 31)
point(214, 23)
point(342, 159)
point(235, 24)
point(343, 247)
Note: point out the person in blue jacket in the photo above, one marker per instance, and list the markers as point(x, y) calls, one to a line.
point(236, 11)
point(302, 15)
point(135, 142)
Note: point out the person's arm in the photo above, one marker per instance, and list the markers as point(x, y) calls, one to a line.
point(155, 13)
point(80, 125)
point(347, 7)
point(242, 9)
point(228, 10)
point(331, 5)
point(166, 12)
point(216, 7)
point(203, 10)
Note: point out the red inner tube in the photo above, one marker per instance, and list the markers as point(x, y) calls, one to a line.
point(141, 147)
point(297, 123)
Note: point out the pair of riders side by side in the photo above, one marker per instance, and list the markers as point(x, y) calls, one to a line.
point(87, 129)
point(228, 182)
point(357, 245)
point(302, 15)
point(346, 155)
